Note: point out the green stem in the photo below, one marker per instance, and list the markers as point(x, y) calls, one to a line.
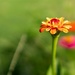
point(17, 55)
point(54, 46)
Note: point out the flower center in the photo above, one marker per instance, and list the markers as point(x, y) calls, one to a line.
point(55, 21)
point(68, 39)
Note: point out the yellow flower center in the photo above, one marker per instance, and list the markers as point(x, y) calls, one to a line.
point(68, 39)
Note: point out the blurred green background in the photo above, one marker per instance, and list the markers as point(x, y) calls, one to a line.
point(24, 17)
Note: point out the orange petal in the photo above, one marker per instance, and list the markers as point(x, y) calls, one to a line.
point(47, 29)
point(53, 31)
point(60, 28)
point(66, 22)
point(67, 26)
point(43, 26)
point(55, 25)
point(73, 26)
point(65, 30)
point(41, 29)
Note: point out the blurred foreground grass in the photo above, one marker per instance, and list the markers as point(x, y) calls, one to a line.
point(19, 17)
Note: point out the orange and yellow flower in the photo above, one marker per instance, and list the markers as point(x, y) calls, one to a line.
point(53, 25)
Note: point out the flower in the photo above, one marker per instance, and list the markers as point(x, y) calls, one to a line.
point(53, 25)
point(67, 42)
point(73, 26)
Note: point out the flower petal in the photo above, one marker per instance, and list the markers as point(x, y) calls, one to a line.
point(42, 29)
point(61, 19)
point(60, 28)
point(65, 30)
point(48, 19)
point(43, 22)
point(66, 22)
point(43, 26)
point(73, 26)
point(47, 29)
point(53, 31)
point(55, 25)
point(67, 26)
